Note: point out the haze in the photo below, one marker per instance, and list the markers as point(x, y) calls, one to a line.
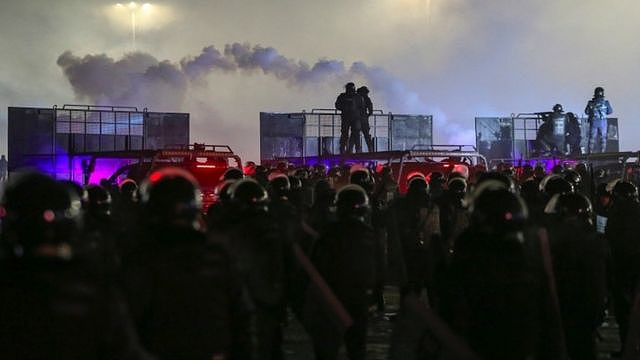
point(454, 59)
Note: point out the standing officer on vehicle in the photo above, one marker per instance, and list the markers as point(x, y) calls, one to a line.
point(597, 110)
point(364, 126)
point(351, 106)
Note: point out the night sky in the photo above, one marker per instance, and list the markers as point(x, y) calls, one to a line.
point(454, 59)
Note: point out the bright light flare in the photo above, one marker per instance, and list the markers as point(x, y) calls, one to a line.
point(148, 16)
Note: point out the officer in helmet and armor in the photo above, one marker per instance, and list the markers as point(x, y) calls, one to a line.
point(52, 307)
point(415, 232)
point(621, 231)
point(185, 297)
point(496, 296)
point(597, 110)
point(263, 252)
point(552, 133)
point(351, 106)
point(368, 111)
point(559, 122)
point(345, 257)
point(579, 263)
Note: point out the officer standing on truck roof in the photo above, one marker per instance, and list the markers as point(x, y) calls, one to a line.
point(351, 106)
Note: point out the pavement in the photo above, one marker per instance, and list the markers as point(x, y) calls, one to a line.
point(297, 345)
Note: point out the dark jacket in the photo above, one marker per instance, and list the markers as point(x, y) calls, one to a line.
point(579, 263)
point(497, 298)
point(345, 257)
point(50, 309)
point(185, 297)
point(351, 105)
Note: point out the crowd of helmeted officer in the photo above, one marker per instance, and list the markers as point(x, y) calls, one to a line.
point(496, 265)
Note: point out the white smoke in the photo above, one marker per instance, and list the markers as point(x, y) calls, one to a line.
point(140, 79)
point(135, 79)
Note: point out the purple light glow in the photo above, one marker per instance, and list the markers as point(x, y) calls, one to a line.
point(104, 168)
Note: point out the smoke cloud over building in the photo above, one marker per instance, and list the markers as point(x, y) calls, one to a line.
point(141, 79)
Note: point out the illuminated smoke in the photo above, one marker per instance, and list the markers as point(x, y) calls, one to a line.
point(139, 78)
point(136, 79)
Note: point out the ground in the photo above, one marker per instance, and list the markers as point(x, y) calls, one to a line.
point(298, 347)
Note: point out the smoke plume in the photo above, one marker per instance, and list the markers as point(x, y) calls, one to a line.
point(140, 79)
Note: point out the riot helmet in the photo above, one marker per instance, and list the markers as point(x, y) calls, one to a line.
point(279, 186)
point(598, 92)
point(557, 108)
point(570, 205)
point(99, 201)
point(625, 190)
point(417, 186)
point(497, 210)
point(222, 192)
point(232, 174)
point(574, 178)
point(555, 184)
point(350, 87)
point(40, 217)
point(457, 187)
point(506, 180)
point(361, 176)
point(352, 202)
point(248, 196)
point(171, 197)
point(129, 190)
point(363, 90)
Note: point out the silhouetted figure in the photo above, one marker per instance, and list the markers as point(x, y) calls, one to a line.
point(496, 296)
point(597, 110)
point(185, 296)
point(574, 135)
point(98, 242)
point(415, 227)
point(351, 106)
point(219, 213)
point(579, 263)
point(264, 261)
point(454, 216)
point(345, 257)
point(52, 307)
point(126, 217)
point(320, 214)
point(559, 121)
point(622, 229)
point(364, 122)
point(552, 133)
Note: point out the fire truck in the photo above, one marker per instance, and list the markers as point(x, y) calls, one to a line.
point(404, 164)
point(207, 163)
